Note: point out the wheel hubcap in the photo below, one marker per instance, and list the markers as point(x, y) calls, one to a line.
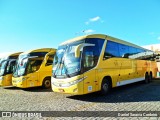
point(105, 87)
point(47, 83)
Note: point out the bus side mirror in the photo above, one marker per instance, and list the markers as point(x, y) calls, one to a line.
point(79, 47)
point(77, 50)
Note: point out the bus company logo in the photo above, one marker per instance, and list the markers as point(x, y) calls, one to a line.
point(6, 114)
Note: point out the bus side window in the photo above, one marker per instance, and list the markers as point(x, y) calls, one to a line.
point(50, 60)
point(111, 50)
point(12, 66)
point(89, 59)
point(123, 50)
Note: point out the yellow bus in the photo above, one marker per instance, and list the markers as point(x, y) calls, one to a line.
point(99, 62)
point(158, 64)
point(34, 68)
point(6, 68)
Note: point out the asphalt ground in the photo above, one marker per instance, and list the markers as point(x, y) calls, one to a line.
point(138, 97)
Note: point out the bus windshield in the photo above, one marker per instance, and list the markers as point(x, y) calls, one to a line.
point(21, 62)
point(67, 64)
point(3, 67)
point(7, 66)
point(28, 65)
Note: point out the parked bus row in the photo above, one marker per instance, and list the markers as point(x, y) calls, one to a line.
point(29, 69)
point(80, 66)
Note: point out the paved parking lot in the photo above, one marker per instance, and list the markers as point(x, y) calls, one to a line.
point(134, 97)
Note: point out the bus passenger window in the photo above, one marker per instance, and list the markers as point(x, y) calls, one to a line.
point(111, 50)
point(33, 65)
point(89, 59)
point(123, 50)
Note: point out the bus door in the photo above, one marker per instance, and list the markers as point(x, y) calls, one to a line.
point(32, 79)
point(90, 73)
point(33, 74)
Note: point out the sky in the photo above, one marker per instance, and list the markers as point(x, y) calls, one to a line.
point(32, 24)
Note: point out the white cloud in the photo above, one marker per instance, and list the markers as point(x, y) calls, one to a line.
point(94, 19)
point(97, 18)
point(88, 31)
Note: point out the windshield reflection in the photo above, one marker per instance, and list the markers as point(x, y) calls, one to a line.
point(77, 57)
point(3, 67)
point(21, 62)
point(65, 63)
point(28, 65)
point(7, 66)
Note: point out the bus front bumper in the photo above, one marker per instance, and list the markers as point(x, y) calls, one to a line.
point(76, 89)
point(5, 81)
point(17, 82)
point(1, 82)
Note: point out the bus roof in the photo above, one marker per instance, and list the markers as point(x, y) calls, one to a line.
point(15, 54)
point(11, 54)
point(101, 36)
point(40, 50)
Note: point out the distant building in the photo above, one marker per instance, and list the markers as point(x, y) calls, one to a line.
point(154, 47)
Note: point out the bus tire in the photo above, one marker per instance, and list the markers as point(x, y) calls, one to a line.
point(146, 78)
point(46, 83)
point(105, 87)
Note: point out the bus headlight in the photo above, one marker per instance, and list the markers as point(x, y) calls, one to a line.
point(24, 78)
point(77, 81)
point(69, 83)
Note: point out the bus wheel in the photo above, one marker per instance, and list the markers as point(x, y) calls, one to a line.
point(46, 83)
point(105, 87)
point(146, 78)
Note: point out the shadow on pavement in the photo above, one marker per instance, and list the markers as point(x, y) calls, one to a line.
point(37, 89)
point(12, 88)
point(32, 89)
point(137, 92)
